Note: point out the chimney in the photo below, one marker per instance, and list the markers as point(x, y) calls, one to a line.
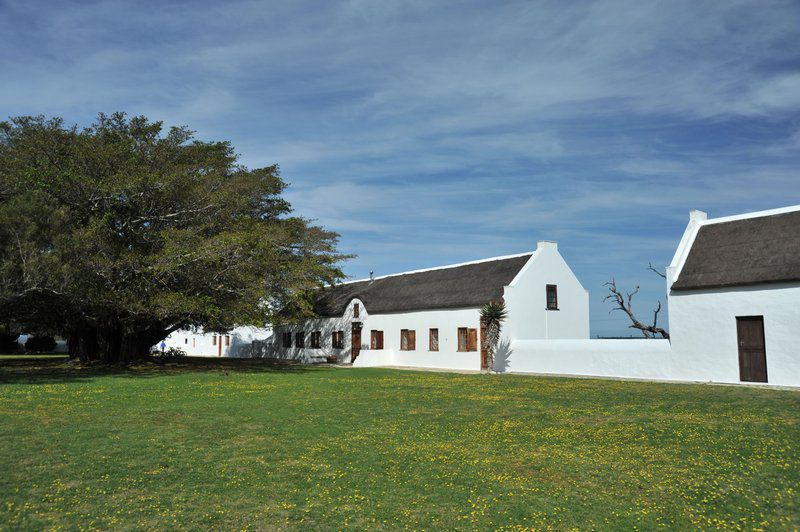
point(695, 214)
point(541, 244)
point(371, 276)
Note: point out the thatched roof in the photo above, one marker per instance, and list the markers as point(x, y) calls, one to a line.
point(749, 251)
point(467, 285)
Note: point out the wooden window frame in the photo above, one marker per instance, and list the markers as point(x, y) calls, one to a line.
point(410, 338)
point(466, 333)
point(227, 340)
point(213, 339)
point(356, 310)
point(376, 339)
point(551, 288)
point(316, 339)
point(287, 340)
point(337, 339)
point(431, 332)
point(300, 339)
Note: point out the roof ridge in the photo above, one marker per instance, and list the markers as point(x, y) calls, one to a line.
point(751, 215)
point(445, 267)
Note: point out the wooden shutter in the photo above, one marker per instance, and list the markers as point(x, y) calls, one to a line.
point(214, 340)
point(472, 340)
point(412, 340)
point(462, 338)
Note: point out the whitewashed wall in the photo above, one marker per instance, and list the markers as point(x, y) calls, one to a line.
point(526, 300)
point(246, 342)
point(447, 321)
point(703, 330)
point(640, 359)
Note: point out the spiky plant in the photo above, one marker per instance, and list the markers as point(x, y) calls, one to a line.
point(492, 315)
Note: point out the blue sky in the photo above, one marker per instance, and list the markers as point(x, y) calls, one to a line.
point(429, 133)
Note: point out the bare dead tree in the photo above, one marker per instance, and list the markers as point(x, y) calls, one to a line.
point(624, 303)
point(656, 271)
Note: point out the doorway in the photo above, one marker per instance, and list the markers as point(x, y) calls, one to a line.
point(355, 342)
point(752, 349)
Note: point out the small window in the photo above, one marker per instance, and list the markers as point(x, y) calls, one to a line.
point(552, 297)
point(214, 339)
point(356, 310)
point(227, 340)
point(408, 340)
point(185, 340)
point(316, 340)
point(194, 343)
point(467, 339)
point(337, 339)
point(287, 339)
point(433, 340)
point(300, 339)
point(376, 340)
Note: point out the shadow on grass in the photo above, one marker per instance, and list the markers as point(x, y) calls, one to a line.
point(50, 370)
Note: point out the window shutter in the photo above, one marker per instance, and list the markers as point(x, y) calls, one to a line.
point(472, 343)
point(412, 340)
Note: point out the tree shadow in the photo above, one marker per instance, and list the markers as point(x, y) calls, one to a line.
point(60, 370)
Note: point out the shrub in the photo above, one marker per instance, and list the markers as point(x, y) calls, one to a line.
point(40, 344)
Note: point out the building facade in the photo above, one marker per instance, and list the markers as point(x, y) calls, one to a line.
point(734, 298)
point(431, 318)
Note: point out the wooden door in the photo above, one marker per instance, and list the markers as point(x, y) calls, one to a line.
point(484, 353)
point(752, 349)
point(219, 345)
point(355, 342)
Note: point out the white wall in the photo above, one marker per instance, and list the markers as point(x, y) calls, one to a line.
point(526, 300)
point(246, 342)
point(641, 359)
point(703, 330)
point(447, 321)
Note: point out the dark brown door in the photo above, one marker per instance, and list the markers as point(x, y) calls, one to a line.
point(752, 349)
point(484, 353)
point(355, 342)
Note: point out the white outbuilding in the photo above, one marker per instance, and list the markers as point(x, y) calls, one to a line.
point(241, 342)
point(431, 318)
point(734, 298)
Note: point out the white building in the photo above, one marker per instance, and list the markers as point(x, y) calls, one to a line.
point(241, 342)
point(734, 298)
point(431, 318)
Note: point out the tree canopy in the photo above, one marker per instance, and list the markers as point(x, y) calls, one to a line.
point(117, 234)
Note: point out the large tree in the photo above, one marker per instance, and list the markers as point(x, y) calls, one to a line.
point(117, 234)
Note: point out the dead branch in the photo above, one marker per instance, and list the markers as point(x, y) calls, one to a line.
point(625, 304)
point(657, 272)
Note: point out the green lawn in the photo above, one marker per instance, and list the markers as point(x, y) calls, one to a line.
point(257, 447)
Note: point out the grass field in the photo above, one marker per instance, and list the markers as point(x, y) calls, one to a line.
point(253, 447)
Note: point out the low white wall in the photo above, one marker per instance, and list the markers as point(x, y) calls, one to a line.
point(639, 359)
point(470, 360)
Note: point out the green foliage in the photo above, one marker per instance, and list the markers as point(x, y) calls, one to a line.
point(259, 448)
point(118, 233)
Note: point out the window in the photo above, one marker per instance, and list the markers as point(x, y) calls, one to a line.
point(214, 339)
point(227, 340)
point(467, 339)
point(194, 343)
point(433, 340)
point(408, 340)
point(186, 341)
point(287, 339)
point(316, 340)
point(337, 338)
point(376, 340)
point(356, 310)
point(552, 297)
point(300, 339)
